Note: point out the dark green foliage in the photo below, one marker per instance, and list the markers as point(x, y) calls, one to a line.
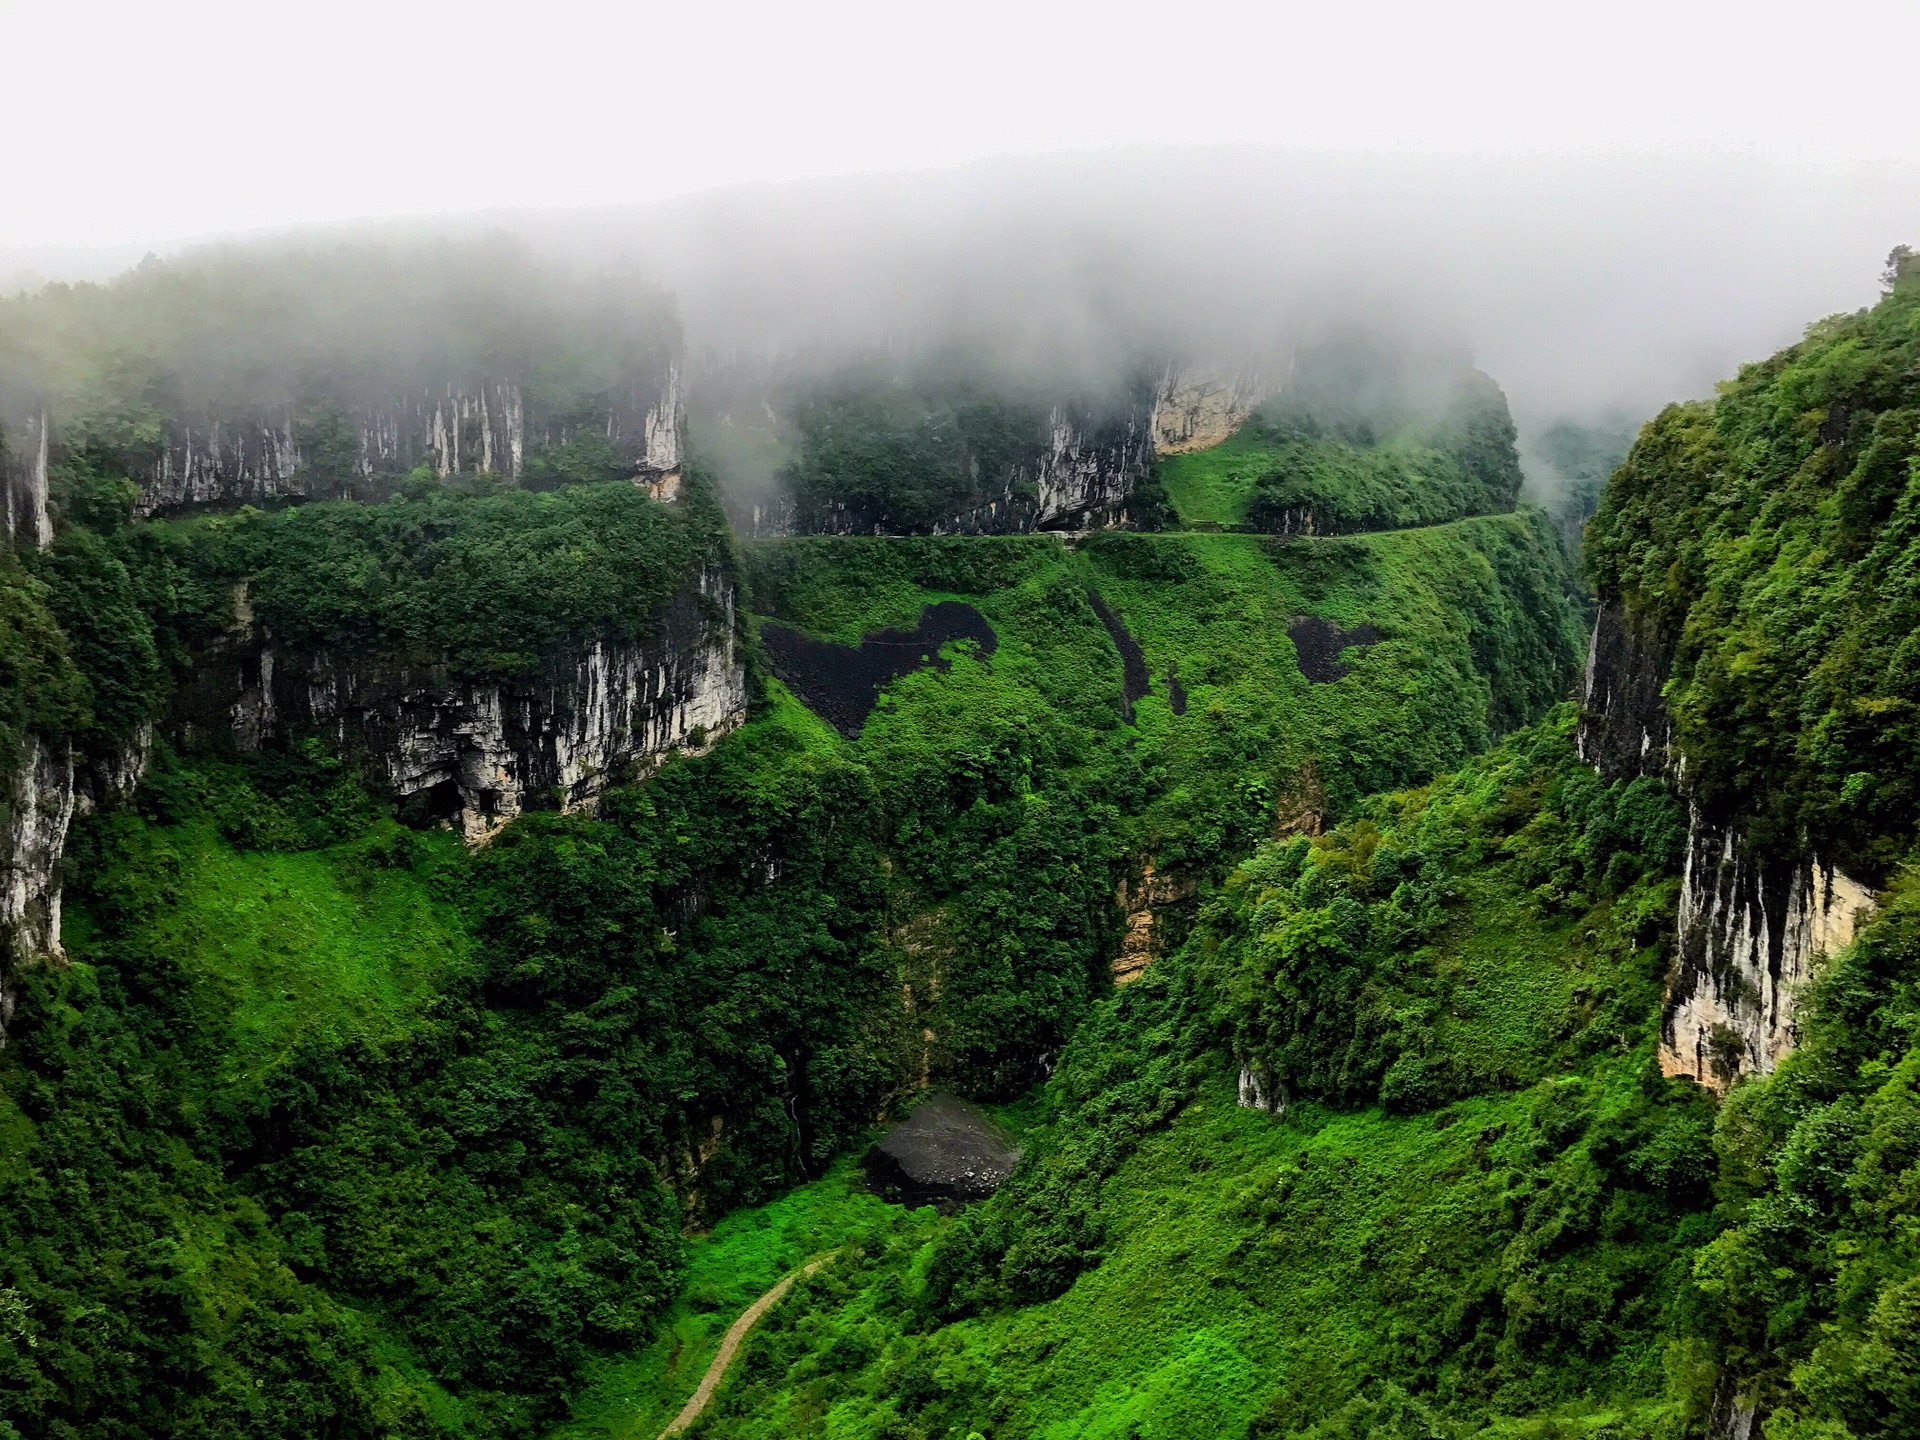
point(1332, 480)
point(1165, 1262)
point(1813, 1285)
point(1362, 448)
point(1771, 534)
point(324, 335)
point(502, 1182)
point(140, 1294)
point(110, 636)
point(41, 689)
point(907, 449)
point(486, 584)
point(1334, 989)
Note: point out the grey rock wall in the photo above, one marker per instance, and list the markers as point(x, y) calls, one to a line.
point(48, 785)
point(365, 449)
point(484, 751)
point(482, 429)
point(1751, 928)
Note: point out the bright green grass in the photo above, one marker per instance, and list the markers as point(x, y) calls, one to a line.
point(1473, 621)
point(281, 947)
point(1251, 1254)
point(633, 1397)
point(1212, 486)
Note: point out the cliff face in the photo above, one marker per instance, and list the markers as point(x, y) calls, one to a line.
point(1081, 481)
point(1197, 407)
point(1750, 933)
point(24, 458)
point(369, 447)
point(49, 784)
point(1625, 729)
point(40, 802)
point(1751, 927)
point(482, 751)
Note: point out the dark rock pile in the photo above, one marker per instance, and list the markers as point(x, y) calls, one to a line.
point(946, 1153)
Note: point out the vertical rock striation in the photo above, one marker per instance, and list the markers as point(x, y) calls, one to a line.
point(369, 447)
point(50, 783)
point(1751, 926)
point(481, 751)
point(1749, 936)
point(1197, 407)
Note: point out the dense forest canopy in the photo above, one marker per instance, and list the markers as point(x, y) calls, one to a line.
point(325, 1123)
point(319, 341)
point(1769, 535)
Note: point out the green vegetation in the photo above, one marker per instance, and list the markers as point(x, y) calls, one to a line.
point(1298, 467)
point(486, 584)
point(906, 450)
point(1511, 1241)
point(334, 1127)
point(1771, 534)
point(322, 339)
point(1476, 635)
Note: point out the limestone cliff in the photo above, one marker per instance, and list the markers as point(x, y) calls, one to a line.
point(1197, 407)
point(40, 802)
point(24, 460)
point(367, 448)
point(1750, 934)
point(479, 752)
point(1751, 927)
point(49, 784)
point(1081, 480)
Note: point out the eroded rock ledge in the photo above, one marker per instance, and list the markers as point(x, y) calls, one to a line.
point(1751, 928)
point(480, 752)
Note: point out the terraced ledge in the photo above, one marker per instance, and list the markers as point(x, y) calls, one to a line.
point(736, 1332)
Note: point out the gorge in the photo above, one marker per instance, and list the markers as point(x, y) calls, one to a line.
point(1323, 963)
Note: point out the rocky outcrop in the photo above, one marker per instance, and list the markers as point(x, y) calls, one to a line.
point(479, 752)
point(365, 448)
point(1142, 940)
point(1750, 933)
point(1260, 1091)
point(368, 448)
point(946, 1153)
point(1751, 927)
point(1197, 407)
point(24, 475)
point(1082, 479)
point(40, 804)
point(1624, 726)
point(49, 784)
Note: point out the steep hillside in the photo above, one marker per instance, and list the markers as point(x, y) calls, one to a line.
point(1465, 1194)
point(1402, 1139)
point(1313, 461)
point(256, 375)
point(446, 873)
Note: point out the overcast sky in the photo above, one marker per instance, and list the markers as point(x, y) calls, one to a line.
point(141, 123)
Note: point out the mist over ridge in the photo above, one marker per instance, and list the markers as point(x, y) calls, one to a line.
point(1592, 288)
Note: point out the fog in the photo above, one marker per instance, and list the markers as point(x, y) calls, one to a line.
point(1585, 285)
point(1594, 289)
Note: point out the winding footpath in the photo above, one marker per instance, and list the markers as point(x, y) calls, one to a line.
point(736, 1332)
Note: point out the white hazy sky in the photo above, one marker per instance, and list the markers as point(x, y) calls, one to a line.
point(136, 124)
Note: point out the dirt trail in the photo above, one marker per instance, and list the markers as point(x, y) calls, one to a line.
point(736, 1332)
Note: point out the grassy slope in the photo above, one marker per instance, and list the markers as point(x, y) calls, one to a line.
point(727, 1269)
point(1258, 1265)
point(283, 946)
point(1398, 482)
point(1461, 609)
point(1212, 486)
